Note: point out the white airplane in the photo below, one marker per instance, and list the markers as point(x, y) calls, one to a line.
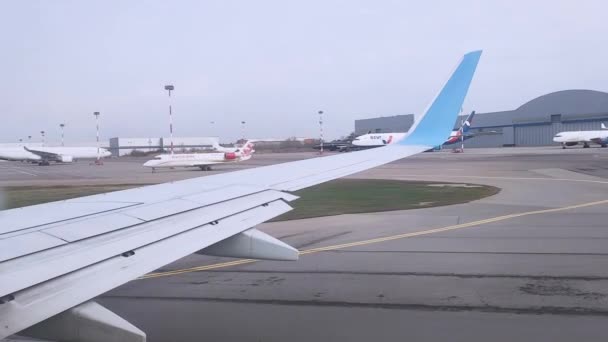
point(202, 160)
point(218, 148)
point(43, 155)
point(572, 138)
point(377, 139)
point(380, 139)
point(56, 258)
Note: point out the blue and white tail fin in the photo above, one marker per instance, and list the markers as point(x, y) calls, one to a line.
point(466, 125)
point(438, 120)
point(603, 126)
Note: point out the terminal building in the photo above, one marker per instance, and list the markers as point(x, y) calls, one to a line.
point(125, 146)
point(532, 124)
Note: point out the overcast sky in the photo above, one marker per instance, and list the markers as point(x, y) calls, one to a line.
point(274, 64)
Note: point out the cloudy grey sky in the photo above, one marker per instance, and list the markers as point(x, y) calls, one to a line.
point(275, 63)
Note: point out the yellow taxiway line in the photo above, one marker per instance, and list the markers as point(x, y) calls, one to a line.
point(405, 177)
point(381, 239)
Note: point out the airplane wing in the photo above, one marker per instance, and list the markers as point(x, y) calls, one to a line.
point(482, 133)
point(43, 154)
point(56, 257)
point(48, 155)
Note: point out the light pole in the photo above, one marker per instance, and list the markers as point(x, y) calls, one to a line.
point(62, 125)
point(243, 131)
point(42, 134)
point(169, 88)
point(29, 139)
point(321, 131)
point(98, 160)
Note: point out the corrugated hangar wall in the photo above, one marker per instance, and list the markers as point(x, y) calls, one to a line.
point(384, 124)
point(532, 124)
point(542, 134)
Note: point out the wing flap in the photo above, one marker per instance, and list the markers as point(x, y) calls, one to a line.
point(26, 244)
point(15, 220)
point(82, 229)
point(58, 294)
point(35, 268)
point(151, 212)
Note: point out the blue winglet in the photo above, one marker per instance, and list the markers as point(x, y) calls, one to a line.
point(437, 123)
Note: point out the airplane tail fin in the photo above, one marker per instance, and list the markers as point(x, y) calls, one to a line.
point(466, 125)
point(603, 126)
point(438, 120)
point(219, 148)
point(247, 149)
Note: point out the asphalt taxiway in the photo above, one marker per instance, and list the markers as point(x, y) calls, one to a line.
point(530, 263)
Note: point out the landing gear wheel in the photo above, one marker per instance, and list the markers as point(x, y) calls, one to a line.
point(586, 145)
point(205, 168)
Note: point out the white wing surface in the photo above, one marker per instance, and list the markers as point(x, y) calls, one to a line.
point(58, 256)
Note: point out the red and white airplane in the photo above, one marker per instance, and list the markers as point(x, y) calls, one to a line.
point(203, 160)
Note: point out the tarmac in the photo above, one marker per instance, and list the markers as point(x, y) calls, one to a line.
point(530, 263)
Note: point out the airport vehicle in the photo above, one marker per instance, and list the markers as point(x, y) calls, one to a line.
point(202, 160)
point(572, 138)
point(55, 258)
point(44, 155)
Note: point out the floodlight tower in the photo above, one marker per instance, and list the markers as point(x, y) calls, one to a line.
point(42, 134)
point(243, 131)
point(62, 125)
point(321, 131)
point(169, 88)
point(96, 114)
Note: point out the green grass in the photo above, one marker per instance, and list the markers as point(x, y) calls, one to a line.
point(21, 196)
point(349, 196)
point(343, 196)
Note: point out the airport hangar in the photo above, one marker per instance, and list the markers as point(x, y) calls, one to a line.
point(532, 124)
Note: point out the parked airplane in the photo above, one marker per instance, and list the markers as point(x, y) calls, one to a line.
point(380, 139)
point(55, 258)
point(218, 148)
point(462, 133)
point(571, 138)
point(370, 140)
point(203, 160)
point(43, 155)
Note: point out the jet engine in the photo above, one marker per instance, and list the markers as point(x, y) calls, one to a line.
point(229, 156)
point(66, 159)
